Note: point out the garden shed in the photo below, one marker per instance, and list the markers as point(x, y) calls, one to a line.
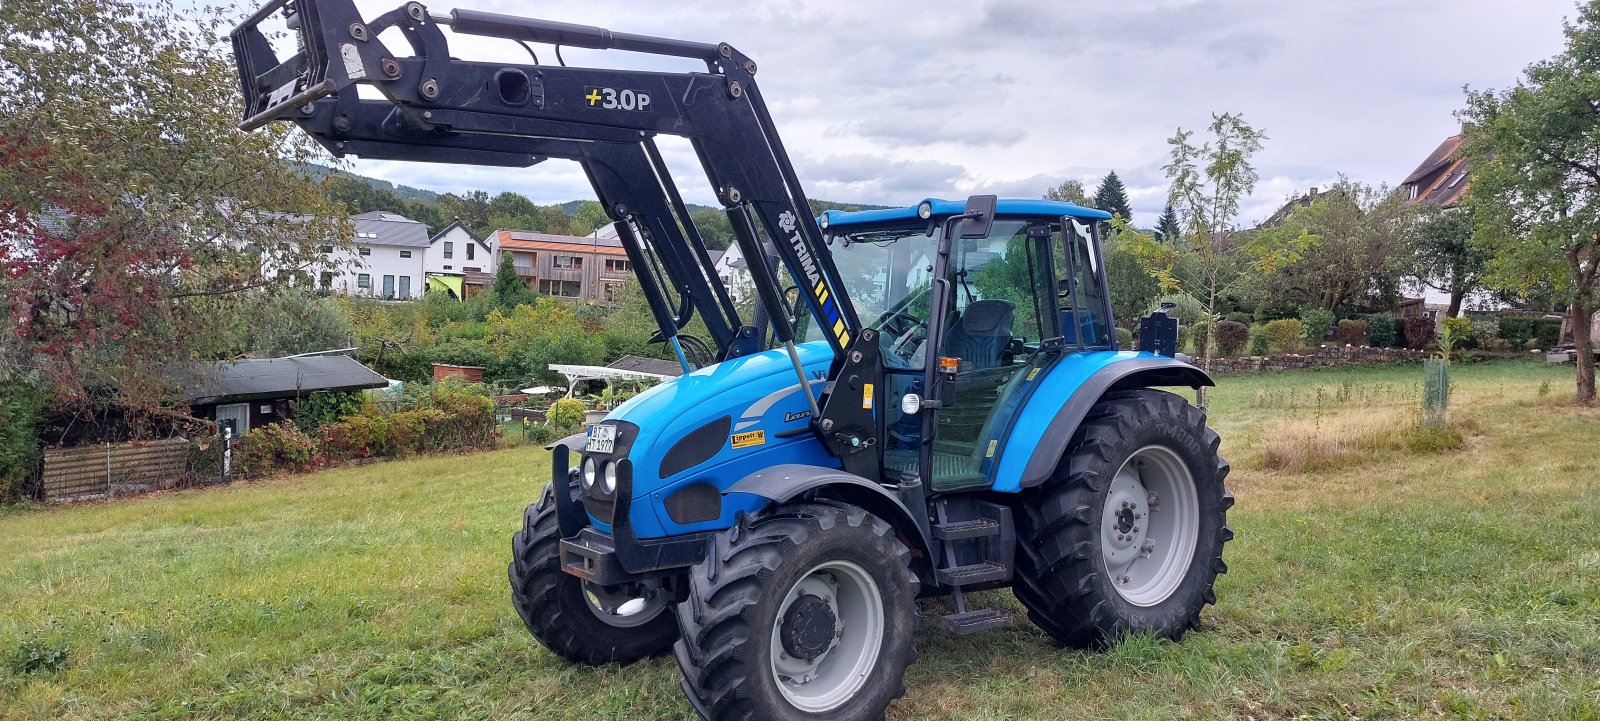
point(245, 394)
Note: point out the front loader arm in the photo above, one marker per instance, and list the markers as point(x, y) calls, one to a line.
point(720, 112)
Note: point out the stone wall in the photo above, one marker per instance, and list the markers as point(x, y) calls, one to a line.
point(1324, 356)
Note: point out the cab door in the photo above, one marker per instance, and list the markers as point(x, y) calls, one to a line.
point(1000, 312)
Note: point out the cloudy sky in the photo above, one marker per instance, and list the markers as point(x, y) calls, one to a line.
point(891, 101)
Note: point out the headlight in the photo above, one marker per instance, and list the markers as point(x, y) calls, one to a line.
point(611, 477)
point(588, 473)
point(925, 210)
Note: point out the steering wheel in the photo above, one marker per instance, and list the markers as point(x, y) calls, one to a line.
point(903, 328)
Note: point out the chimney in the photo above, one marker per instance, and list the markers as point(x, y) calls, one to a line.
point(1313, 192)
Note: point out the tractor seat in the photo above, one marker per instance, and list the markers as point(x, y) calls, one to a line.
point(982, 334)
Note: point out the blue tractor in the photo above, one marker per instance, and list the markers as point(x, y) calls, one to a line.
point(925, 401)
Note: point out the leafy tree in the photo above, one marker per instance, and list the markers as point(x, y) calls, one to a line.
point(1132, 288)
point(290, 322)
point(134, 215)
point(1358, 241)
point(508, 289)
point(714, 227)
point(1447, 258)
point(591, 215)
point(1211, 260)
point(1167, 228)
point(1070, 191)
point(1112, 197)
point(1535, 192)
point(473, 209)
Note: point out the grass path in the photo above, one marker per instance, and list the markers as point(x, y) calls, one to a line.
point(1461, 585)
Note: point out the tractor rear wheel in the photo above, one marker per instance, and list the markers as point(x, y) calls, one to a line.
point(805, 612)
point(581, 622)
point(1128, 535)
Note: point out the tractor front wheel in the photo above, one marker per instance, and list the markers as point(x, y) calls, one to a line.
point(805, 612)
point(1128, 535)
point(580, 621)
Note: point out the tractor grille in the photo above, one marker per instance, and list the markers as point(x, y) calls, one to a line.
point(694, 503)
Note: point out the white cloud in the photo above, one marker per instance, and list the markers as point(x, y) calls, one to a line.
point(889, 101)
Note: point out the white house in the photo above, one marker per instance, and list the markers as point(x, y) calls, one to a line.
point(461, 262)
point(385, 260)
point(730, 267)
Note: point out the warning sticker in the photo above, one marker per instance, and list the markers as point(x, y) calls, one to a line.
point(992, 443)
point(749, 438)
point(866, 397)
point(1032, 373)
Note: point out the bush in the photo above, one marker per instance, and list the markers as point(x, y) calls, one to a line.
point(538, 433)
point(20, 407)
point(1244, 319)
point(1231, 337)
point(320, 409)
point(359, 436)
point(1381, 330)
point(1124, 339)
point(1316, 322)
point(1486, 334)
point(1352, 332)
point(1525, 332)
point(566, 416)
point(1460, 332)
point(274, 446)
point(1258, 340)
point(1285, 335)
point(1418, 332)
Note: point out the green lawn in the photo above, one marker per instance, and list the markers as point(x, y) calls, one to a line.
point(1456, 585)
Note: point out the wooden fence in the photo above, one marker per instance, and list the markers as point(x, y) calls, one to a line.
point(106, 469)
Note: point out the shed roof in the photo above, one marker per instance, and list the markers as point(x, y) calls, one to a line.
point(647, 365)
point(256, 379)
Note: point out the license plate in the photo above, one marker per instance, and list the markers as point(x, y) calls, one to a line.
point(602, 439)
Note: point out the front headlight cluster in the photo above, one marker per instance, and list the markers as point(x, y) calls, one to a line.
point(606, 475)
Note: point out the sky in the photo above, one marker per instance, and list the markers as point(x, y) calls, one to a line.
point(891, 101)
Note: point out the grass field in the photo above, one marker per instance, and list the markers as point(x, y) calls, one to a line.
point(1462, 583)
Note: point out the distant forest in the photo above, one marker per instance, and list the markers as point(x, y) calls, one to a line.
point(483, 213)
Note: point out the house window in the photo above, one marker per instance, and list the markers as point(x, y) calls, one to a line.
point(405, 287)
point(326, 281)
point(388, 286)
point(471, 269)
point(612, 291)
point(470, 251)
point(449, 249)
point(566, 262)
point(326, 249)
point(365, 251)
point(363, 281)
point(617, 265)
point(561, 288)
point(405, 254)
point(449, 267)
point(366, 235)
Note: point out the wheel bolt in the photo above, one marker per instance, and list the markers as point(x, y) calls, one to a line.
point(1135, 529)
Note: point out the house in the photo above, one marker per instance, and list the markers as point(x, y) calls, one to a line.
point(1441, 179)
point(246, 394)
point(459, 262)
point(1281, 215)
point(731, 270)
point(590, 269)
point(385, 260)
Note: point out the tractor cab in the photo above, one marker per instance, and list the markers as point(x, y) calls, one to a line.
point(965, 323)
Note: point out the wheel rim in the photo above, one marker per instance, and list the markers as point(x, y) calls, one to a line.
point(1149, 526)
point(620, 609)
point(844, 593)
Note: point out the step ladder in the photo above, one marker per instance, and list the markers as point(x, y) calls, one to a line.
point(977, 545)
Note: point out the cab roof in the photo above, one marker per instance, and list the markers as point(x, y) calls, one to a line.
point(941, 208)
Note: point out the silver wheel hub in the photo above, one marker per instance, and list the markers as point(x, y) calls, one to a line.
point(1149, 526)
point(826, 638)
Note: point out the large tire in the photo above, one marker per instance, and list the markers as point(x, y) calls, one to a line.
point(752, 588)
point(556, 607)
point(1075, 552)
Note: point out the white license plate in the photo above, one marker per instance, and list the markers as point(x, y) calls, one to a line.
point(602, 439)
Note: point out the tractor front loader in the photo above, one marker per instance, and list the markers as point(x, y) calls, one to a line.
point(928, 401)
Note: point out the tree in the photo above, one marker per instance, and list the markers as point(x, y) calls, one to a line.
point(1447, 258)
point(292, 321)
point(1133, 290)
point(1210, 259)
point(1535, 194)
point(1070, 191)
point(134, 215)
point(1357, 242)
point(1167, 228)
point(714, 227)
point(509, 290)
point(1112, 197)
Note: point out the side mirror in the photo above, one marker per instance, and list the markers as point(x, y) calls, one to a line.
point(980, 208)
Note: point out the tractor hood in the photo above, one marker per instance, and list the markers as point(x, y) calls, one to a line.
point(716, 425)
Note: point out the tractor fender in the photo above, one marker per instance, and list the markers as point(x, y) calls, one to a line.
point(786, 482)
point(1146, 372)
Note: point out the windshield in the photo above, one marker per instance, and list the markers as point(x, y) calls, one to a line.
point(888, 274)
